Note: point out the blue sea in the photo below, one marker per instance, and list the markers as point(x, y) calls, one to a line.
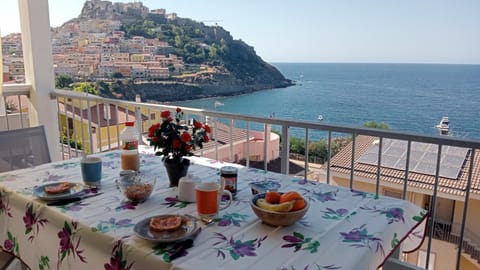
point(408, 97)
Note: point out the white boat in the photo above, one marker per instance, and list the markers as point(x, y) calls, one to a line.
point(320, 117)
point(443, 126)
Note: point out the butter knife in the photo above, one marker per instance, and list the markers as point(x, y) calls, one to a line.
point(72, 200)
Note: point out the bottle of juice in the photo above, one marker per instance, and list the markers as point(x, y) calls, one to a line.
point(130, 157)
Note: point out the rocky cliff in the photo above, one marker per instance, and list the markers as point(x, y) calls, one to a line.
point(237, 67)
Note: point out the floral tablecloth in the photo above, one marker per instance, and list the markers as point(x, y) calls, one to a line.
point(343, 229)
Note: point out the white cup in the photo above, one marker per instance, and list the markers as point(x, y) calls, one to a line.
point(186, 188)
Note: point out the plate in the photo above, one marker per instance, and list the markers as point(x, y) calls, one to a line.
point(74, 191)
point(188, 230)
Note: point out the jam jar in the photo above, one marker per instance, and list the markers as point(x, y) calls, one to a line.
point(228, 174)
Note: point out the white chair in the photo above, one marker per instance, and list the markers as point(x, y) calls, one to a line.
point(21, 148)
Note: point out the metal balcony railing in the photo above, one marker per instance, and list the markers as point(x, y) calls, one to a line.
point(93, 124)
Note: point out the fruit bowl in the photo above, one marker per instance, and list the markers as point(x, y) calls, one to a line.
point(277, 218)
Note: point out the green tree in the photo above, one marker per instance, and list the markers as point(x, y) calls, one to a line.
point(373, 124)
point(297, 146)
point(85, 87)
point(117, 75)
point(63, 81)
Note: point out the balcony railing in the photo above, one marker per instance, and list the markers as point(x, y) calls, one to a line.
point(94, 123)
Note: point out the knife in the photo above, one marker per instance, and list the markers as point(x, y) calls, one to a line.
point(72, 200)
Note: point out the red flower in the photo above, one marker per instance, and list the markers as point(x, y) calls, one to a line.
point(176, 144)
point(186, 137)
point(174, 137)
point(152, 129)
point(197, 124)
point(207, 128)
point(165, 114)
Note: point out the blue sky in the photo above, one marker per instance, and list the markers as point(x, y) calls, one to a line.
point(386, 31)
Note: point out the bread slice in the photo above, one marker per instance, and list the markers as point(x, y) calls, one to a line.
point(58, 188)
point(165, 224)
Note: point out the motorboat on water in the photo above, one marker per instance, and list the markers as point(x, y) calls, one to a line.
point(320, 117)
point(443, 126)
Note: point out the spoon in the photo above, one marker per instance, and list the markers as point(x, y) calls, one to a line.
point(205, 221)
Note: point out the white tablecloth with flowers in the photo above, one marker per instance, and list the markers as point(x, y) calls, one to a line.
point(343, 229)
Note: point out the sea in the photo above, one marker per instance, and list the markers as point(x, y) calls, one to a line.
point(407, 97)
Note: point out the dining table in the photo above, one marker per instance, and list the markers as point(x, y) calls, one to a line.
point(342, 229)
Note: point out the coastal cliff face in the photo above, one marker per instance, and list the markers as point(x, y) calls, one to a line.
point(234, 67)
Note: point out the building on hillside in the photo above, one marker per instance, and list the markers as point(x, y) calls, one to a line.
point(453, 176)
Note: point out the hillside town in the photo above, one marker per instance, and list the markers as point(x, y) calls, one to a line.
point(87, 49)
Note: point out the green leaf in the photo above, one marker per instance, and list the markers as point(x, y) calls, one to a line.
point(234, 255)
point(417, 218)
point(299, 235)
point(27, 231)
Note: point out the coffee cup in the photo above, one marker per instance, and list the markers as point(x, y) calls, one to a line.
point(91, 170)
point(209, 200)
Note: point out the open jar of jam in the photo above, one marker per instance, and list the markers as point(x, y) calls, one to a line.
point(228, 175)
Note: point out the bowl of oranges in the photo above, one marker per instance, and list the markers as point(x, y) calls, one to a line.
point(279, 208)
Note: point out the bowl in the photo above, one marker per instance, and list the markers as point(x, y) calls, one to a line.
point(136, 188)
point(264, 186)
point(277, 218)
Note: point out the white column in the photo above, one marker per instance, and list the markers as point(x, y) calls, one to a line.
point(37, 54)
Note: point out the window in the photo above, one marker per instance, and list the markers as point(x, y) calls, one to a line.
point(392, 193)
point(422, 258)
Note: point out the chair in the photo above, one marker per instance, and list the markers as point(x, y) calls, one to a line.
point(21, 148)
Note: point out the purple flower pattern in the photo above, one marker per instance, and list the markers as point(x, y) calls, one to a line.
point(174, 202)
point(394, 214)
point(358, 193)
point(338, 214)
point(117, 261)
point(229, 219)
point(11, 244)
point(299, 242)
point(167, 250)
point(52, 178)
point(360, 238)
point(236, 248)
point(126, 205)
point(69, 243)
point(320, 196)
point(4, 205)
point(32, 222)
point(112, 224)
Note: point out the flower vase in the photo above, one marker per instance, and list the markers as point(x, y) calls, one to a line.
point(176, 169)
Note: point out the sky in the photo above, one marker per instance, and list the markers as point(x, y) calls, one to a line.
point(352, 31)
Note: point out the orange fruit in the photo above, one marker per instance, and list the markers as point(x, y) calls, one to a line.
point(299, 204)
point(272, 197)
point(290, 196)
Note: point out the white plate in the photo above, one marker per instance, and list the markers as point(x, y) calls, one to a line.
point(189, 229)
point(74, 191)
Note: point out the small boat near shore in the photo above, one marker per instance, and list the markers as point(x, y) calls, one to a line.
point(320, 117)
